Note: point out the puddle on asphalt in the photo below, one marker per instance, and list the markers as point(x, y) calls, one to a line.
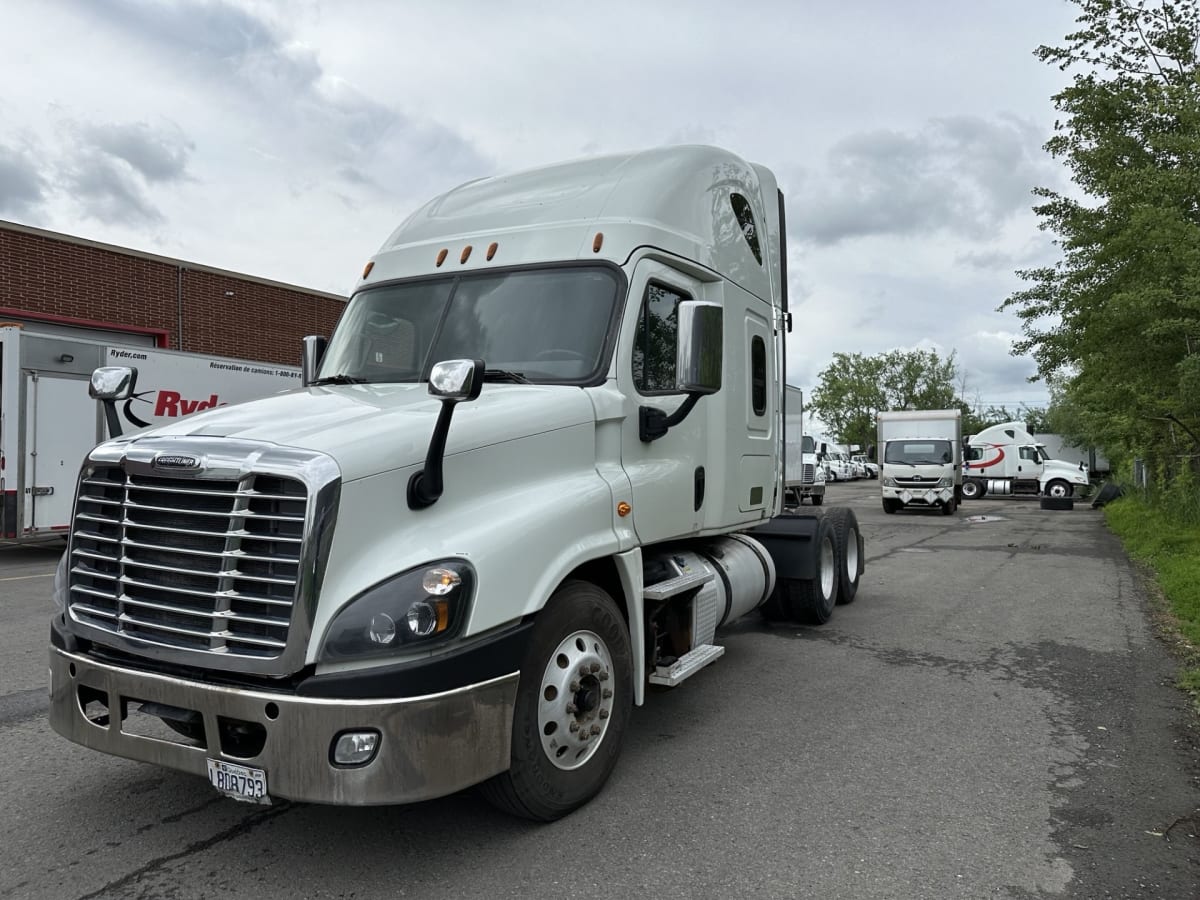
point(914, 550)
point(974, 519)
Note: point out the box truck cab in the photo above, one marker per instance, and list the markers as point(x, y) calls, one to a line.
point(537, 466)
point(1006, 459)
point(920, 453)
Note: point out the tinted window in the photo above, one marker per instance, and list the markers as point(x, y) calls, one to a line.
point(655, 347)
point(758, 375)
point(745, 219)
point(550, 325)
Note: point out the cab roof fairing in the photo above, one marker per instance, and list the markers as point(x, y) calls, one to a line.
point(672, 198)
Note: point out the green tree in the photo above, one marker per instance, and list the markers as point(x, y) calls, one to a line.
point(1117, 318)
point(854, 387)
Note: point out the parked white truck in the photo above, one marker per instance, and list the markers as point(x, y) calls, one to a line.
point(920, 452)
point(48, 422)
point(539, 463)
point(804, 476)
point(1006, 459)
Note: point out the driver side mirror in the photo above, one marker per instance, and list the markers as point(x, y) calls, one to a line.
point(701, 344)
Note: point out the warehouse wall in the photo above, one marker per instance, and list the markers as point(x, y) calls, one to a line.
point(187, 306)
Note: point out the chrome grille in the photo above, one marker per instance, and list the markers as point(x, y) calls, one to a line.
point(809, 475)
point(188, 563)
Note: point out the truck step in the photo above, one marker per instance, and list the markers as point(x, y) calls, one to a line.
point(687, 665)
point(672, 587)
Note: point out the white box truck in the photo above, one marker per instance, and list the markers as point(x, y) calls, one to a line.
point(48, 422)
point(920, 454)
point(1006, 459)
point(803, 476)
point(537, 466)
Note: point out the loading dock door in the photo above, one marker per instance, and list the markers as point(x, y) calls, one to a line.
point(60, 430)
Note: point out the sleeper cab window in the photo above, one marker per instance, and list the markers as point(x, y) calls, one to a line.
point(758, 375)
point(657, 340)
point(745, 219)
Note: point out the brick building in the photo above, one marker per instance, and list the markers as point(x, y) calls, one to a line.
point(58, 281)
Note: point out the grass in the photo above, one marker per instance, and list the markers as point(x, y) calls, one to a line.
point(1166, 540)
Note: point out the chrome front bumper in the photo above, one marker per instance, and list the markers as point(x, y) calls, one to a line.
point(430, 746)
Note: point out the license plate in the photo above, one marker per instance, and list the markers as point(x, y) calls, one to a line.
point(239, 782)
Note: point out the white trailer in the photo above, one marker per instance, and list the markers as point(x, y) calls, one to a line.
point(921, 459)
point(803, 475)
point(1056, 447)
point(48, 421)
point(536, 468)
point(1006, 459)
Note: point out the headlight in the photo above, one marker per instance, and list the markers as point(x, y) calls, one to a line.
point(59, 594)
point(422, 606)
point(948, 481)
point(889, 482)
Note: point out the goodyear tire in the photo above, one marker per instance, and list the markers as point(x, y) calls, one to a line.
point(573, 705)
point(846, 543)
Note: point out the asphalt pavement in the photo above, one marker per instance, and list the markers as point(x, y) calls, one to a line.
point(994, 716)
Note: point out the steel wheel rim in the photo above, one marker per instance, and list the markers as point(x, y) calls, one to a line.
point(851, 554)
point(575, 700)
point(828, 568)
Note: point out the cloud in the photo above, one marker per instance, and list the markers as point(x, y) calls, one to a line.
point(960, 175)
point(22, 187)
point(282, 86)
point(109, 168)
point(156, 155)
point(110, 192)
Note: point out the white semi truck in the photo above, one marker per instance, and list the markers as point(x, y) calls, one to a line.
point(48, 422)
point(1006, 459)
point(804, 476)
point(537, 466)
point(920, 452)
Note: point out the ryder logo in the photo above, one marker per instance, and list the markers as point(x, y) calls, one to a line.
point(172, 403)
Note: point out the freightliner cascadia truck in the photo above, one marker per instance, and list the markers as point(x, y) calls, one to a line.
point(537, 466)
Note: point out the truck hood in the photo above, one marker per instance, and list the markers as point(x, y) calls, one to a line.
point(372, 428)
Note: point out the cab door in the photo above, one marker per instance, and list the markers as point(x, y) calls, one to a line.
point(1029, 464)
point(668, 476)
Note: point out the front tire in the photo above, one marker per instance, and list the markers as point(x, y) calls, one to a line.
point(573, 705)
point(1059, 489)
point(818, 499)
point(891, 505)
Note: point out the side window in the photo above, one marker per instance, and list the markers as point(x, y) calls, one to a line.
point(745, 220)
point(974, 454)
point(1029, 453)
point(655, 347)
point(758, 375)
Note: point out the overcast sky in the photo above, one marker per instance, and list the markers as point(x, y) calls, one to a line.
point(287, 139)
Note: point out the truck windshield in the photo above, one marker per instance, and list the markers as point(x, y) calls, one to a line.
point(919, 453)
point(808, 445)
point(539, 325)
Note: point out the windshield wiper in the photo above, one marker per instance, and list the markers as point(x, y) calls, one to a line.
point(505, 375)
point(339, 379)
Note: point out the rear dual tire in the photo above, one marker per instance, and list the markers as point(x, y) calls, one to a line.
point(811, 600)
